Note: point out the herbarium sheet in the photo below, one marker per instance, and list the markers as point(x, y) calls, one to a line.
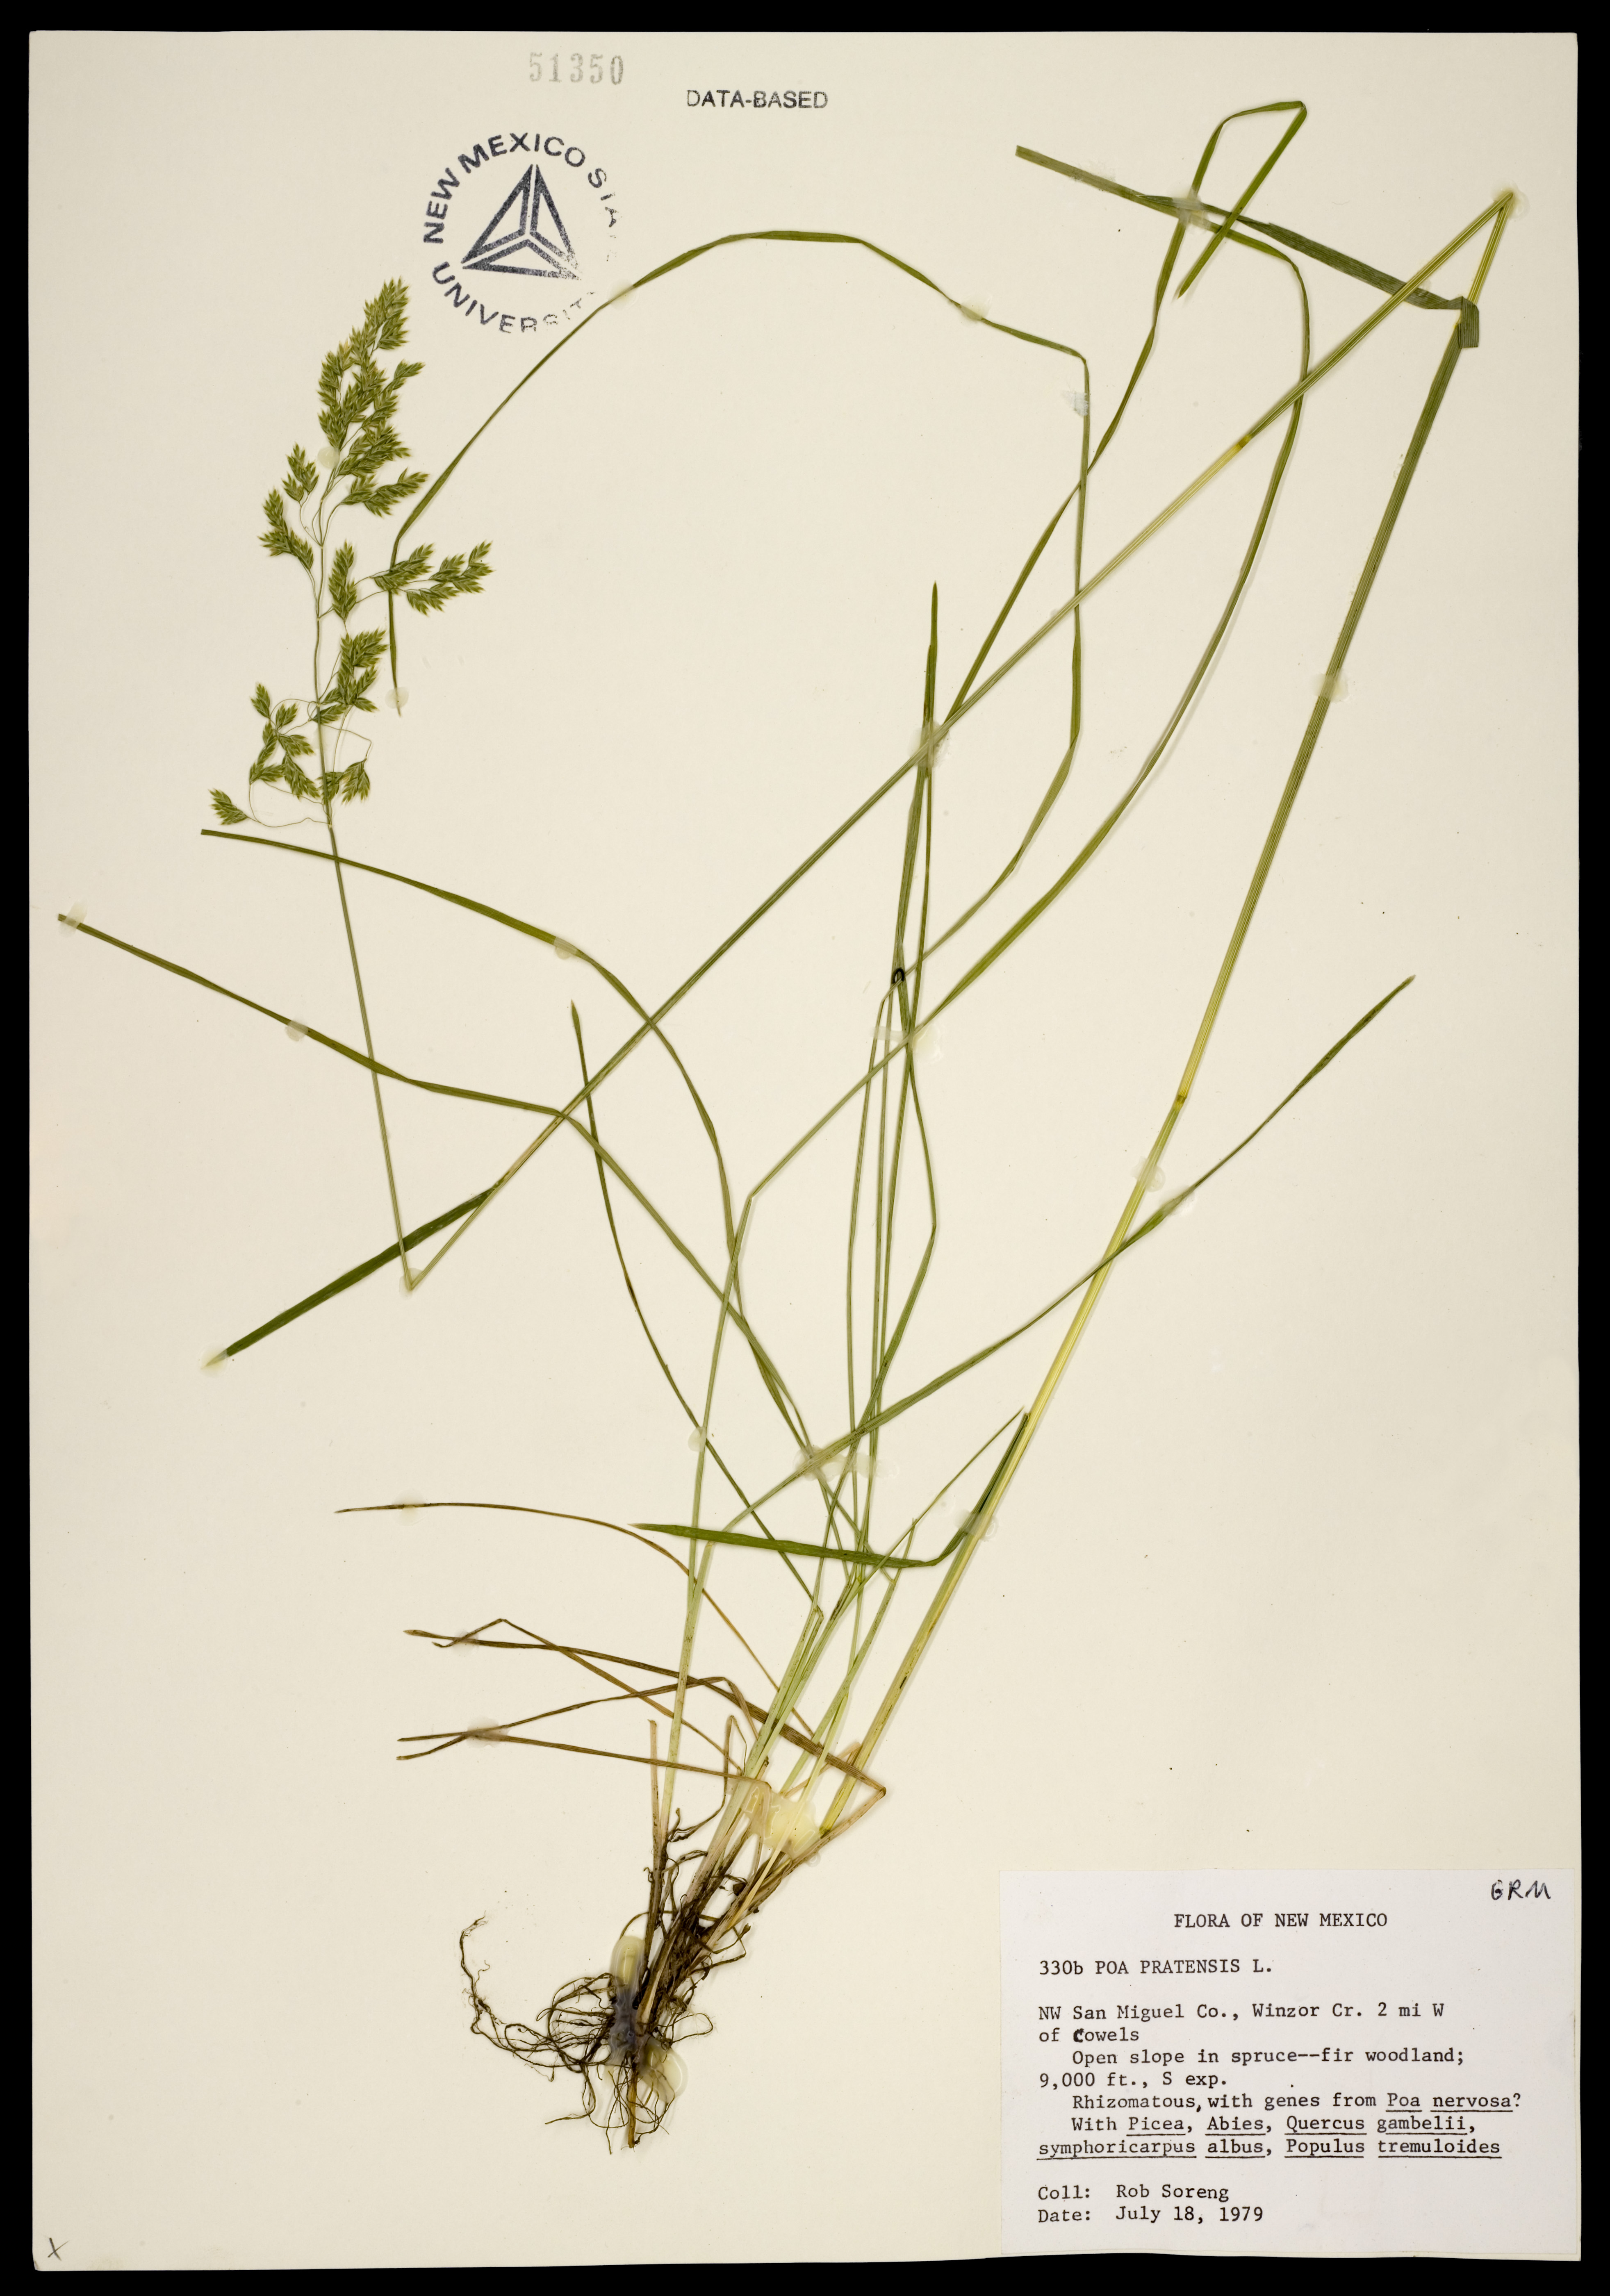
point(803, 951)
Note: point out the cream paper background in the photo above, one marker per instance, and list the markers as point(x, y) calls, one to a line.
point(1288, 1578)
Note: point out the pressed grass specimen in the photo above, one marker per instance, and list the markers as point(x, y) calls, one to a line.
point(783, 1763)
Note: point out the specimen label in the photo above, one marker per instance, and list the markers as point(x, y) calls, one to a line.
point(1300, 2063)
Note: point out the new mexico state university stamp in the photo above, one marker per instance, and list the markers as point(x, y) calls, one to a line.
point(518, 233)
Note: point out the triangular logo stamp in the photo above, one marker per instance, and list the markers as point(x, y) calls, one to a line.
point(527, 236)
